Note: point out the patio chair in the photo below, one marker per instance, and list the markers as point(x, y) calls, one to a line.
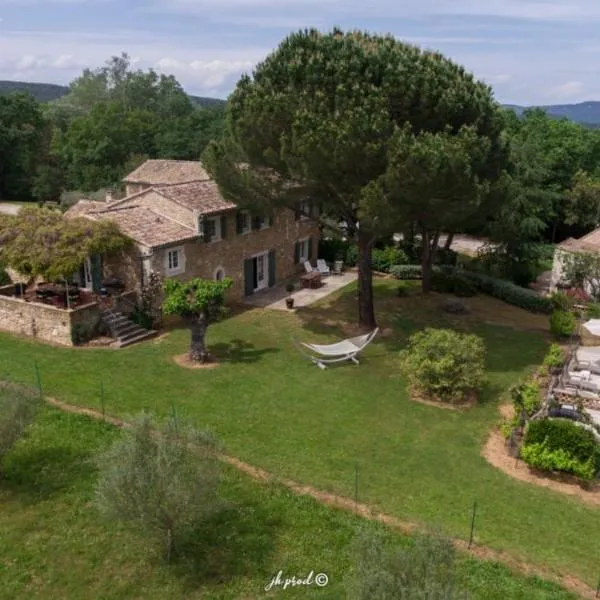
point(322, 267)
point(323, 355)
point(576, 364)
point(308, 267)
point(338, 267)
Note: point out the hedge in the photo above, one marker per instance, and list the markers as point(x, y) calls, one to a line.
point(498, 288)
point(560, 434)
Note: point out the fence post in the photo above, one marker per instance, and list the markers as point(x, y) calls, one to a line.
point(174, 417)
point(38, 378)
point(102, 400)
point(472, 523)
point(356, 484)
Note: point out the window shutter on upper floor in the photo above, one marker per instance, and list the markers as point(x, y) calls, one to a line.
point(239, 223)
point(310, 244)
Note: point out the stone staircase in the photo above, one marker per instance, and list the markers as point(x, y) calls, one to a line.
point(123, 329)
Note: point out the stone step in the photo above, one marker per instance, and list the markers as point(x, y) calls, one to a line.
point(131, 334)
point(146, 334)
point(126, 328)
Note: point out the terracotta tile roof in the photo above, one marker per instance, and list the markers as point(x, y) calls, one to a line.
point(203, 196)
point(168, 172)
point(145, 225)
point(587, 243)
point(83, 208)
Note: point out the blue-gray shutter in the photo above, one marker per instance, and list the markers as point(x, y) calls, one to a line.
point(297, 212)
point(310, 244)
point(249, 277)
point(239, 223)
point(256, 222)
point(272, 268)
point(96, 261)
point(297, 253)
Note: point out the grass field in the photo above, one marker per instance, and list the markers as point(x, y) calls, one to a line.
point(54, 544)
point(275, 410)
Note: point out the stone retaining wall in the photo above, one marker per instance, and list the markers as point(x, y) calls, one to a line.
point(42, 321)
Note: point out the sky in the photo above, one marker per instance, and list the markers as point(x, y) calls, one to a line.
point(531, 52)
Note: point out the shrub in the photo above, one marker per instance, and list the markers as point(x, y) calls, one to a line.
point(528, 396)
point(426, 569)
point(509, 292)
point(406, 271)
point(462, 287)
point(445, 257)
point(562, 434)
point(384, 259)
point(160, 481)
point(562, 323)
point(142, 317)
point(4, 278)
point(541, 457)
point(17, 411)
point(560, 301)
point(442, 282)
point(554, 358)
point(81, 333)
point(445, 364)
point(351, 257)
point(455, 306)
point(593, 311)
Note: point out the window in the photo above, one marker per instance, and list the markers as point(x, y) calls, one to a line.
point(175, 261)
point(212, 229)
point(243, 222)
point(219, 274)
point(305, 209)
point(304, 250)
point(265, 222)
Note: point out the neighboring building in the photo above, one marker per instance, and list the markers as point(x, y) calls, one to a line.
point(588, 243)
point(183, 228)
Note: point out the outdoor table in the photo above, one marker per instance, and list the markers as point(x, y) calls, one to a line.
point(311, 280)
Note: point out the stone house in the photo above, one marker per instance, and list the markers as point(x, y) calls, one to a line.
point(589, 243)
point(183, 228)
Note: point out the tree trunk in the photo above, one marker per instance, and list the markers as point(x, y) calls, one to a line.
point(198, 327)
point(366, 308)
point(449, 241)
point(428, 247)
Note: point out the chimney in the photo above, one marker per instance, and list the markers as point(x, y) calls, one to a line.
point(109, 196)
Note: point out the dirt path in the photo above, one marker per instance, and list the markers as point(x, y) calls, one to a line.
point(567, 581)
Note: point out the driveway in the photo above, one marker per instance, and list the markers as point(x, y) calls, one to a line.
point(9, 208)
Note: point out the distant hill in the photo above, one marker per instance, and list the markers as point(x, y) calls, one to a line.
point(586, 113)
point(46, 92)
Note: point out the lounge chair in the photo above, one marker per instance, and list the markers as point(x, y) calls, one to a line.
point(308, 267)
point(322, 355)
point(322, 267)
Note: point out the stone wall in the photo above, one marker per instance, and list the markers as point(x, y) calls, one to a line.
point(42, 321)
point(202, 259)
point(126, 266)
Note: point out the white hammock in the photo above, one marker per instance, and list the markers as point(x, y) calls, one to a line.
point(340, 351)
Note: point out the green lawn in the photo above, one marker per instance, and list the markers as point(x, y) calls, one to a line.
point(54, 544)
point(275, 410)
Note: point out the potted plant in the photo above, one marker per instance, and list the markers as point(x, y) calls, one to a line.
point(289, 301)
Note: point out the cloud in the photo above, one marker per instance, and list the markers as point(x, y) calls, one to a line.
point(569, 89)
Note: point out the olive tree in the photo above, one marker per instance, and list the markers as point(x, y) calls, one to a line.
point(317, 123)
point(425, 570)
point(17, 412)
point(199, 302)
point(161, 481)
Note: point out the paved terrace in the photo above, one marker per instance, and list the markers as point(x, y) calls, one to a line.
point(275, 297)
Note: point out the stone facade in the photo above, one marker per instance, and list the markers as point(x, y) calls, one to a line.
point(202, 259)
point(42, 321)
